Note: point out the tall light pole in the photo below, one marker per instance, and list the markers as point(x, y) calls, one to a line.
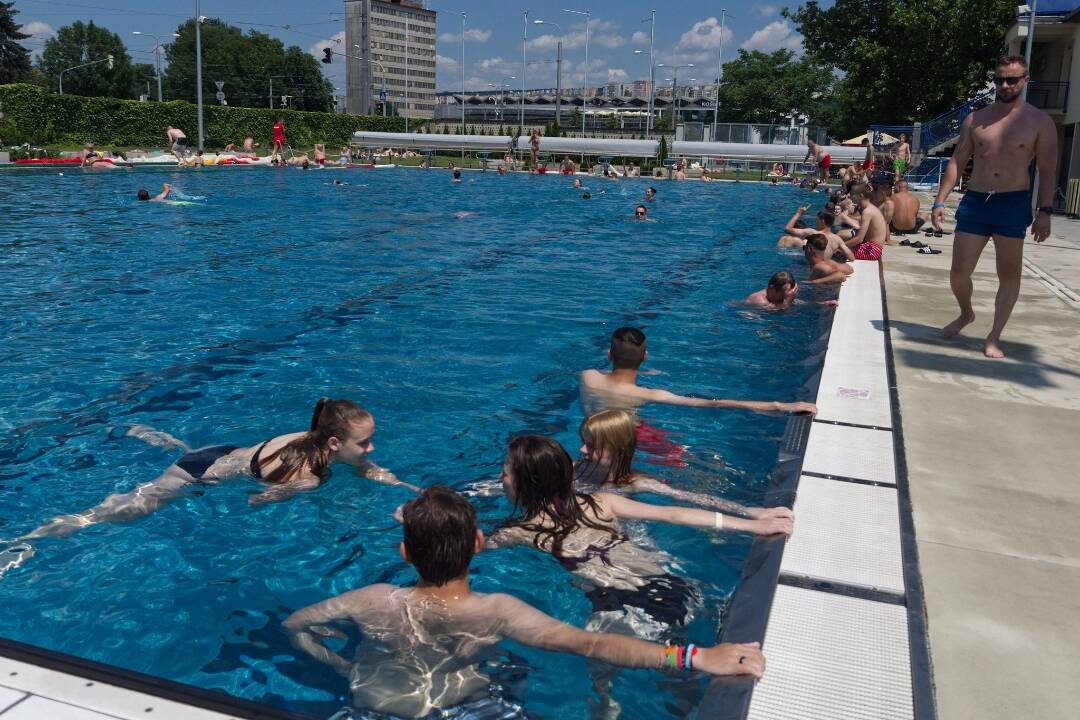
point(585, 78)
point(463, 83)
point(652, 70)
point(719, 73)
point(524, 39)
point(558, 73)
point(157, 57)
point(406, 73)
point(198, 70)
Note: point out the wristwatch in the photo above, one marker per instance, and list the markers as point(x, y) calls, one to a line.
point(1048, 209)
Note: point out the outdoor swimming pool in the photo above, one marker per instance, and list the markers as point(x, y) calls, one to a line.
point(459, 314)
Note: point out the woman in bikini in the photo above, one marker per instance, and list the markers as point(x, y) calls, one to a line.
point(631, 588)
point(340, 433)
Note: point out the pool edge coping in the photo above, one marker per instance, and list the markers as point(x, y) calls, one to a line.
point(747, 617)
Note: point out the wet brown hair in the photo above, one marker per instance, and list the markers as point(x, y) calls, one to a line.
point(610, 432)
point(439, 534)
point(627, 348)
point(331, 418)
point(543, 477)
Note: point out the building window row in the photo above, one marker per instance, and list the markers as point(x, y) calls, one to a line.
point(414, 52)
point(418, 29)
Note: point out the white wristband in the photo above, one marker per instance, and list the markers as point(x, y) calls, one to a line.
point(718, 521)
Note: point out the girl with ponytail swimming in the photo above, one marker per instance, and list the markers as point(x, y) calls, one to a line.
point(340, 433)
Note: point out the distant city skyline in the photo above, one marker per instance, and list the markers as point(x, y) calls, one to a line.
point(686, 33)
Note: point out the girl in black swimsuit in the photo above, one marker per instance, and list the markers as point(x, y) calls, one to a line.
point(340, 432)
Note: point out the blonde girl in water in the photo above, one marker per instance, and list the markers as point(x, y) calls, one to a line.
point(608, 443)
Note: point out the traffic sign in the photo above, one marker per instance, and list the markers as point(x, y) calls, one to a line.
point(220, 96)
point(220, 84)
point(382, 95)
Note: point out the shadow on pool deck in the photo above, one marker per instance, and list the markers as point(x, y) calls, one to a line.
point(963, 355)
point(993, 452)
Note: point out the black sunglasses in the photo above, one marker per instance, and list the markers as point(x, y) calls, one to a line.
point(640, 213)
point(1003, 80)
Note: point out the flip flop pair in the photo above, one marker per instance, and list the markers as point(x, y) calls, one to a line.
point(927, 250)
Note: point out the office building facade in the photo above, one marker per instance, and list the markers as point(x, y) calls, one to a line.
point(377, 48)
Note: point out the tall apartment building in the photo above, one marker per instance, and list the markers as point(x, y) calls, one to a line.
point(376, 46)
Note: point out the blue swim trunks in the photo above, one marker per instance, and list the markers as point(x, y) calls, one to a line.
point(1005, 214)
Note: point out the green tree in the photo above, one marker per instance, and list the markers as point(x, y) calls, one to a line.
point(246, 64)
point(765, 87)
point(80, 43)
point(14, 58)
point(870, 41)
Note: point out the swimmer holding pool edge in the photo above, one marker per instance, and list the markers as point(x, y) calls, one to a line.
point(619, 388)
point(440, 539)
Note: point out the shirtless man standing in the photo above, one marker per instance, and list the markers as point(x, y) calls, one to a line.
point(822, 159)
point(1003, 139)
point(873, 230)
point(178, 142)
point(901, 158)
point(428, 648)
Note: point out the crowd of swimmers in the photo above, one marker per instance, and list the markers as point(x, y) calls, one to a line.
point(424, 644)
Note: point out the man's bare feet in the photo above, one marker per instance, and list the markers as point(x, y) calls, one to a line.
point(993, 350)
point(957, 325)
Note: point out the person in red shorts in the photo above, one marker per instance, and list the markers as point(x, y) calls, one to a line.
point(619, 389)
point(868, 243)
point(279, 137)
point(821, 158)
point(868, 162)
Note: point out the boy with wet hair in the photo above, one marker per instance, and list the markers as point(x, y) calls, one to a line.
point(619, 389)
point(823, 270)
point(398, 670)
point(779, 293)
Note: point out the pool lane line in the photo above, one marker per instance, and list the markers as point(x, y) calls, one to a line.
point(212, 700)
point(232, 357)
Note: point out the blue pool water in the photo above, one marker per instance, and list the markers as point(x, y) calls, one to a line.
point(459, 314)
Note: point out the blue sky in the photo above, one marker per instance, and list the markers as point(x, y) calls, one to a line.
point(686, 32)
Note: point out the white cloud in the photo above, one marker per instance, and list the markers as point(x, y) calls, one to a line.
point(474, 35)
point(704, 35)
point(617, 75)
point(336, 42)
point(639, 38)
point(765, 10)
point(775, 36)
point(445, 63)
point(39, 31)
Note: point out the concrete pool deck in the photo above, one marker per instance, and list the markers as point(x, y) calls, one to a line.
point(993, 457)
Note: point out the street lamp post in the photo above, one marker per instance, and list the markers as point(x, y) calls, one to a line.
point(157, 57)
point(406, 73)
point(719, 74)
point(198, 71)
point(463, 85)
point(524, 39)
point(652, 70)
point(108, 59)
point(585, 78)
point(558, 73)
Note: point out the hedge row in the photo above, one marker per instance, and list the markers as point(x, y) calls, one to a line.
point(30, 114)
